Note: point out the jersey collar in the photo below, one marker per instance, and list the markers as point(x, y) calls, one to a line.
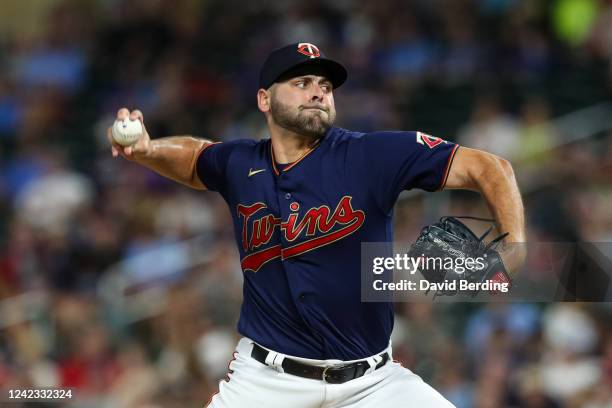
point(292, 165)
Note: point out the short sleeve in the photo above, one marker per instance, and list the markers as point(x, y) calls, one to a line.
point(212, 164)
point(398, 161)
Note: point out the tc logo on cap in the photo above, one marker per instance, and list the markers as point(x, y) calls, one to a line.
point(308, 49)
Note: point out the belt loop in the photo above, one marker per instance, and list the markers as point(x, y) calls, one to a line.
point(275, 360)
point(372, 362)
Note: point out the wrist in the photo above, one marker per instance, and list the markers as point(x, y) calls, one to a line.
point(145, 152)
point(513, 255)
point(514, 237)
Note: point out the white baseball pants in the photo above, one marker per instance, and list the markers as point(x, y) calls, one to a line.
point(251, 384)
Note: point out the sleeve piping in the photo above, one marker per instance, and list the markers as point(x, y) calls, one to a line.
point(448, 168)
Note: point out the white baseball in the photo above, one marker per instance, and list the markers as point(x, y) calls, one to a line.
point(127, 132)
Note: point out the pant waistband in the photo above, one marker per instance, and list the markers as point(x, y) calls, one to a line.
point(330, 371)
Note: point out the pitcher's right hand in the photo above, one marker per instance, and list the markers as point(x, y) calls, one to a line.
point(139, 149)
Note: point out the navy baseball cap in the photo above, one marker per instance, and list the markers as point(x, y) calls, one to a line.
point(300, 59)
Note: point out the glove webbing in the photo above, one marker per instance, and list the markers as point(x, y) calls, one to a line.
point(490, 245)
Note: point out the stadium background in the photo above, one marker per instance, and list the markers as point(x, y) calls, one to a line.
point(127, 287)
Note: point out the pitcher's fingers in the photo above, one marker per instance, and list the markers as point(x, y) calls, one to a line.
point(123, 113)
point(109, 136)
point(116, 148)
point(144, 129)
point(128, 150)
point(137, 114)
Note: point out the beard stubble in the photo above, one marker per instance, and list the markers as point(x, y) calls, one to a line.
point(310, 125)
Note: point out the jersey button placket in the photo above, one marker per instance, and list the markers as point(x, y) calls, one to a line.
point(287, 205)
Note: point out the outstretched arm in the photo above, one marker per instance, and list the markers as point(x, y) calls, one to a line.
point(173, 157)
point(493, 177)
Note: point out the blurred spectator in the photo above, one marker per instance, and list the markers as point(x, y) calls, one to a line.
point(537, 134)
point(571, 336)
point(491, 129)
point(50, 203)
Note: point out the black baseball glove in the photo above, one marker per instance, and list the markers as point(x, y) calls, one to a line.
point(450, 252)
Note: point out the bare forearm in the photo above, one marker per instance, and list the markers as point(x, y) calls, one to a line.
point(497, 184)
point(175, 158)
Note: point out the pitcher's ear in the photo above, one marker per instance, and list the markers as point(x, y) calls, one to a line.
point(264, 99)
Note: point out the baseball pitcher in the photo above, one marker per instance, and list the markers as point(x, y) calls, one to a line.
point(302, 203)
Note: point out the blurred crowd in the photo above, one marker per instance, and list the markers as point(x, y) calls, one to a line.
point(127, 287)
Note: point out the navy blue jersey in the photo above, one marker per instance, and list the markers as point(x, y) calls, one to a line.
point(299, 229)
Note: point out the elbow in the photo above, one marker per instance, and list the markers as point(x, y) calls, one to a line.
point(493, 164)
point(506, 167)
point(491, 167)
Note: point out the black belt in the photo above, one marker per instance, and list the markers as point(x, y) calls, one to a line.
point(336, 374)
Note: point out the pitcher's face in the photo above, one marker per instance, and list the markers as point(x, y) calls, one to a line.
point(304, 104)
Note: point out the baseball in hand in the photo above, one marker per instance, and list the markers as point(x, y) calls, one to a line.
point(126, 132)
